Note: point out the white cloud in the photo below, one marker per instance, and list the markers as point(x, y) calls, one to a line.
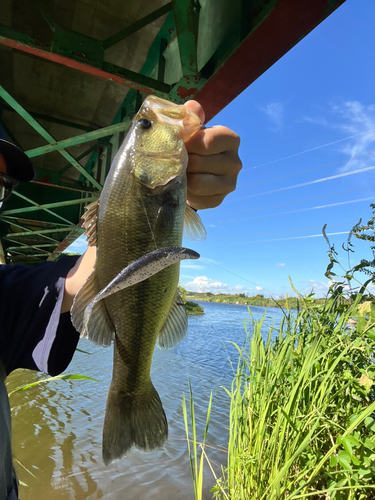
point(275, 111)
point(356, 121)
point(258, 288)
point(318, 287)
point(205, 284)
point(280, 265)
point(321, 288)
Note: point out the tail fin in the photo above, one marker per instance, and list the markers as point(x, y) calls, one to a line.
point(133, 420)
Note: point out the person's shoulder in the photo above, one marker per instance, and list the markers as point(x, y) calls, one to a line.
point(20, 271)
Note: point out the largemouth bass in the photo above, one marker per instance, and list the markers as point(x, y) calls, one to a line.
point(142, 208)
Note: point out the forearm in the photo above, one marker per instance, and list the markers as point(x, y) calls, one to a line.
point(77, 276)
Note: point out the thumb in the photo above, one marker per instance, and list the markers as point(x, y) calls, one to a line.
point(196, 108)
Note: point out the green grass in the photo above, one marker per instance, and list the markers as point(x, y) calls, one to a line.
point(302, 408)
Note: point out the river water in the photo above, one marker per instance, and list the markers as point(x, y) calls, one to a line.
point(57, 427)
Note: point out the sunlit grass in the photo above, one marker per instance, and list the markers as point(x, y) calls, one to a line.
point(302, 407)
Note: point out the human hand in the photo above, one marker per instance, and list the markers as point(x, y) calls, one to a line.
point(213, 165)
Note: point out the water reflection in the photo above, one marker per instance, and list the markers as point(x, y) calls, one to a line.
point(57, 428)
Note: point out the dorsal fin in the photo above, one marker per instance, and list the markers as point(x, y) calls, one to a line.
point(89, 223)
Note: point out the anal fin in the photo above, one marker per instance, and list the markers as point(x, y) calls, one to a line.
point(175, 326)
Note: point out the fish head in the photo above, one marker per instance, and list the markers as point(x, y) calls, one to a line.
point(160, 130)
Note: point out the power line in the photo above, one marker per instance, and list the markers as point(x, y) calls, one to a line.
point(284, 239)
point(316, 181)
point(305, 171)
point(301, 210)
point(278, 232)
point(308, 150)
point(241, 277)
point(288, 203)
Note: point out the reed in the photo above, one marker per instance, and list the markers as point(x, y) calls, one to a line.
point(302, 407)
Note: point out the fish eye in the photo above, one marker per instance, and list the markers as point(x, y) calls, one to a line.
point(144, 123)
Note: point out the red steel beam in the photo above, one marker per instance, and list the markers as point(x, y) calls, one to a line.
point(74, 64)
point(284, 27)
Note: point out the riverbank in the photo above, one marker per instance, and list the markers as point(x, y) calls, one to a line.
point(257, 300)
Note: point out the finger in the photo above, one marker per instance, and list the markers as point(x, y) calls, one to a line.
point(210, 185)
point(219, 164)
point(213, 140)
point(203, 202)
point(196, 108)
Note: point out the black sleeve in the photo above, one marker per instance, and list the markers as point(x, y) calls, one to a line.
point(33, 334)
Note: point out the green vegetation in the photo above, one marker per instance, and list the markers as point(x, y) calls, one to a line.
point(302, 403)
point(256, 300)
point(302, 409)
point(192, 309)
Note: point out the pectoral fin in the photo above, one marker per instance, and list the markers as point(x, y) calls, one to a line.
point(89, 223)
point(175, 326)
point(97, 326)
point(193, 225)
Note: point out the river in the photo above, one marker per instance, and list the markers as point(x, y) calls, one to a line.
point(57, 427)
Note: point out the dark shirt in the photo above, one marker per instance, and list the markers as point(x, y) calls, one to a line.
point(33, 335)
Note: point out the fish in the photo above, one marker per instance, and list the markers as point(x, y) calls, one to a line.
point(142, 209)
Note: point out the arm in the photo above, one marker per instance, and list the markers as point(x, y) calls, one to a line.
point(212, 173)
point(77, 276)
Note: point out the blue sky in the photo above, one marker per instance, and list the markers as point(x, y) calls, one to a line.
point(310, 117)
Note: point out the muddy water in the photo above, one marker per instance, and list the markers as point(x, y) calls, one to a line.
point(57, 427)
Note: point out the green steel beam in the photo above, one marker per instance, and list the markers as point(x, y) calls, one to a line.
point(78, 201)
point(186, 16)
point(28, 231)
point(21, 247)
point(85, 153)
point(51, 178)
point(34, 207)
point(48, 137)
point(79, 139)
point(47, 225)
point(42, 231)
point(20, 254)
point(52, 119)
point(112, 40)
point(17, 250)
point(32, 233)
